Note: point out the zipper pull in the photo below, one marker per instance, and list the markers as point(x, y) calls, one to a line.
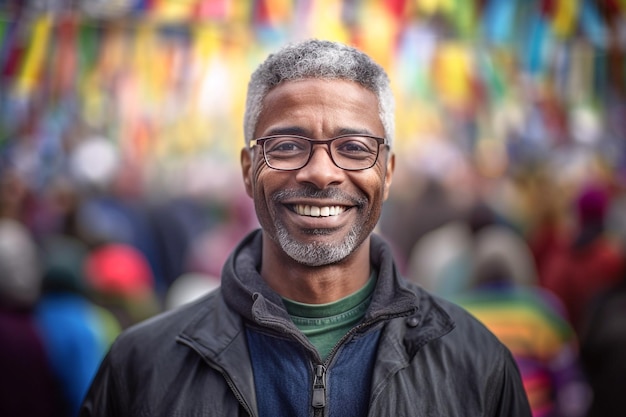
point(319, 387)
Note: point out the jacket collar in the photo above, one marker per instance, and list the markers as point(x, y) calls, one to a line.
point(245, 293)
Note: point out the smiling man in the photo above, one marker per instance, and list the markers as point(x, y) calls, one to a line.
point(312, 318)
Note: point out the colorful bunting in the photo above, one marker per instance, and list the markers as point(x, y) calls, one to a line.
point(169, 79)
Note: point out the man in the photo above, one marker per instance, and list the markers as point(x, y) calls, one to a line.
point(311, 317)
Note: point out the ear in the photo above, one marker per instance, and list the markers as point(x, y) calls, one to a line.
point(246, 169)
point(391, 166)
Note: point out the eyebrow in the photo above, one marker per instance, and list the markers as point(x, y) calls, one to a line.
point(348, 131)
point(299, 131)
point(287, 130)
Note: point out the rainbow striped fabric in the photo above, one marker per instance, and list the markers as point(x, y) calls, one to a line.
point(530, 322)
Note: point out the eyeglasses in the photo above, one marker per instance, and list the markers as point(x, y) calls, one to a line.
point(291, 152)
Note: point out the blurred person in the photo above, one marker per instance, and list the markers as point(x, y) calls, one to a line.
point(210, 249)
point(113, 208)
point(207, 253)
point(176, 224)
point(504, 295)
point(75, 331)
point(122, 281)
point(603, 350)
point(441, 259)
point(312, 317)
point(27, 384)
point(14, 192)
point(546, 225)
point(425, 205)
point(113, 218)
point(603, 332)
point(615, 221)
point(590, 261)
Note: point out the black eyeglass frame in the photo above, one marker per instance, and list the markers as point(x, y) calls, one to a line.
point(261, 142)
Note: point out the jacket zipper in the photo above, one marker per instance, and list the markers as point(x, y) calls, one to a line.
point(318, 401)
point(319, 388)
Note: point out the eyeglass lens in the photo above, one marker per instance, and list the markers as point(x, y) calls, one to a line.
point(347, 152)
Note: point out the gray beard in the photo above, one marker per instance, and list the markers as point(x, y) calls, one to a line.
point(318, 254)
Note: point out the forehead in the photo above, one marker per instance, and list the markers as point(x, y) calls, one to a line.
point(321, 106)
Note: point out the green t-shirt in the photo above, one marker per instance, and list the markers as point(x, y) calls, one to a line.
point(325, 324)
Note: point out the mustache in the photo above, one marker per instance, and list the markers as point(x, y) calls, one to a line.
point(314, 193)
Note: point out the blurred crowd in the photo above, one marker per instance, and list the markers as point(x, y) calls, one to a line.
point(536, 255)
point(88, 258)
point(539, 256)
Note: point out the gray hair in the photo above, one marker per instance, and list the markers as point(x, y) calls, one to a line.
point(319, 59)
point(20, 269)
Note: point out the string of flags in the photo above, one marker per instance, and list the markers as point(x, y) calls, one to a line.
point(166, 79)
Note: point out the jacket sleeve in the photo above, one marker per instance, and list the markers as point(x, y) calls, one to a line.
point(106, 395)
point(510, 400)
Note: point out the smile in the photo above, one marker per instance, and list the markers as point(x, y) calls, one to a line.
point(314, 211)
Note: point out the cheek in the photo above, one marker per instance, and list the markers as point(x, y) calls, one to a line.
point(264, 182)
point(258, 172)
point(377, 184)
point(257, 175)
point(375, 188)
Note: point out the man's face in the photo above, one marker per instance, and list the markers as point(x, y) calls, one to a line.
point(318, 109)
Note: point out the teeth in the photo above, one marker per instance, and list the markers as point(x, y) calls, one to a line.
point(314, 211)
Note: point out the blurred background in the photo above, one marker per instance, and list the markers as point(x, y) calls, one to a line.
point(121, 197)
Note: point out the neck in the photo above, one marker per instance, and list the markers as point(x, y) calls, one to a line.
point(314, 284)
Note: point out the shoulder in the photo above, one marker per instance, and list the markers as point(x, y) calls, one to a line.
point(457, 355)
point(469, 347)
point(458, 328)
point(159, 334)
point(168, 350)
point(476, 335)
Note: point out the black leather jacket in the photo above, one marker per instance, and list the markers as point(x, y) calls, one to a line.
point(433, 358)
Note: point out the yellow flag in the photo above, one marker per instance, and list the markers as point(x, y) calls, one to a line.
point(378, 37)
point(325, 21)
point(35, 55)
point(206, 45)
point(174, 10)
point(565, 17)
point(430, 7)
point(151, 65)
point(206, 40)
point(452, 74)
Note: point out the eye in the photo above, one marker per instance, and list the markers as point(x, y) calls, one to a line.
point(353, 146)
point(285, 145)
point(356, 146)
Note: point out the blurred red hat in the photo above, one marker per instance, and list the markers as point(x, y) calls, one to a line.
point(119, 269)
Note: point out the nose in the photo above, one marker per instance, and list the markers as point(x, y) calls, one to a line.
point(320, 171)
